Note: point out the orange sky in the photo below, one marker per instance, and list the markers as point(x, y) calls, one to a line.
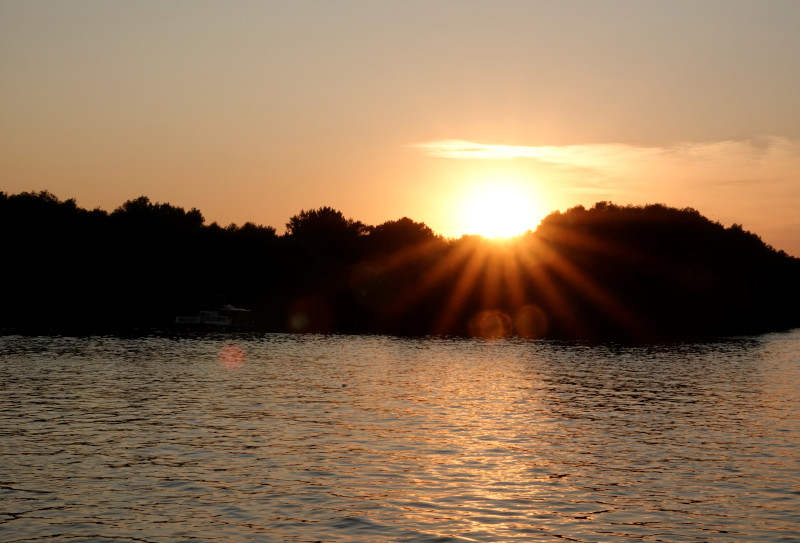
point(255, 110)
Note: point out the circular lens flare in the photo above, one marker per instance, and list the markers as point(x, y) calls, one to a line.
point(490, 324)
point(231, 356)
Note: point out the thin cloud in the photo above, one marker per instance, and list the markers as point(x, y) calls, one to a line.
point(472, 150)
point(768, 159)
point(755, 150)
point(586, 156)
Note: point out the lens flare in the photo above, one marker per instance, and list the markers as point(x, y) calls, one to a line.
point(310, 314)
point(490, 324)
point(530, 322)
point(232, 356)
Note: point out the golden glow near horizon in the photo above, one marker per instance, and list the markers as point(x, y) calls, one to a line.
point(498, 209)
point(257, 110)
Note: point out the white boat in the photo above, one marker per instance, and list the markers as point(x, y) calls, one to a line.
point(209, 318)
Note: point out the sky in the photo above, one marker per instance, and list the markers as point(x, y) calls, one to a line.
point(252, 111)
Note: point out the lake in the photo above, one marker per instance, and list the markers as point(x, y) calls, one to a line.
point(351, 438)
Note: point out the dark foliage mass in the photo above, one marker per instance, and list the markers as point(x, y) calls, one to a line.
point(633, 273)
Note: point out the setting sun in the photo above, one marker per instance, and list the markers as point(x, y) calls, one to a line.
point(499, 211)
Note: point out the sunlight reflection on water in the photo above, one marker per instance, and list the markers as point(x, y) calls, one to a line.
point(336, 438)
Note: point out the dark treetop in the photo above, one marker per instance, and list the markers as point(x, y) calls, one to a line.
point(628, 273)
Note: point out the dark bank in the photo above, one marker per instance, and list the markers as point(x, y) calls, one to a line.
point(608, 272)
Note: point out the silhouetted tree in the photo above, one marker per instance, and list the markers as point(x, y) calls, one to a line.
point(395, 235)
point(323, 223)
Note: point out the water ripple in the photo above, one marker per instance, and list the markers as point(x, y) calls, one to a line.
point(333, 438)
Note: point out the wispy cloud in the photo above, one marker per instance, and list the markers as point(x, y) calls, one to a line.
point(604, 155)
point(572, 155)
point(762, 160)
point(475, 150)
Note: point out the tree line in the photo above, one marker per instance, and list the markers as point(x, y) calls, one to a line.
point(607, 272)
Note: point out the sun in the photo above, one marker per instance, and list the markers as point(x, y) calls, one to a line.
point(499, 210)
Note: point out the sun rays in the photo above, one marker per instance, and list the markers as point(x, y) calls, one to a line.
point(526, 287)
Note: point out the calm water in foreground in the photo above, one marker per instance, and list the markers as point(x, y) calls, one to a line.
point(332, 438)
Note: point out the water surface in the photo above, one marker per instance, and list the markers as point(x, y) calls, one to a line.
point(342, 438)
